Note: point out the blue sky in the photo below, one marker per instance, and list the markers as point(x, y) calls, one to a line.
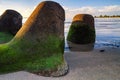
point(72, 7)
point(81, 3)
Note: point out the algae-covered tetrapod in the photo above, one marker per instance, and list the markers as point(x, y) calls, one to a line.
point(81, 36)
point(39, 44)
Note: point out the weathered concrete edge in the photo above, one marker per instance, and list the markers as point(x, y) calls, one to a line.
point(61, 70)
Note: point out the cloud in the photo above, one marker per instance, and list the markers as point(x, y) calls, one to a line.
point(108, 10)
point(24, 10)
point(69, 12)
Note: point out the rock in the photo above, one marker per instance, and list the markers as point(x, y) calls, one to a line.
point(45, 28)
point(82, 33)
point(102, 50)
point(61, 70)
point(85, 18)
point(10, 21)
point(47, 19)
point(41, 38)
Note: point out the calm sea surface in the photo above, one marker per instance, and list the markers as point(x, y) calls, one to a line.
point(107, 32)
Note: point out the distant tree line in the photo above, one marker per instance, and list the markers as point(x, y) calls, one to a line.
point(107, 16)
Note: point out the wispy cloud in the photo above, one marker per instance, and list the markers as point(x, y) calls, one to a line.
point(24, 10)
point(109, 10)
point(69, 12)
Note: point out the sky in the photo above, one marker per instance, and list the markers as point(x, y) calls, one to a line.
point(71, 7)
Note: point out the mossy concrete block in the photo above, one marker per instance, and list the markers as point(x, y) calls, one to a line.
point(39, 44)
point(81, 35)
point(10, 21)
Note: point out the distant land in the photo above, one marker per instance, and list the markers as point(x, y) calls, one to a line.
point(107, 16)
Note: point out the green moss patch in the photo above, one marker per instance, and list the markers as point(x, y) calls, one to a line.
point(5, 37)
point(33, 56)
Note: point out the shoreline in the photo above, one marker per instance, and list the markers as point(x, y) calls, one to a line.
point(98, 47)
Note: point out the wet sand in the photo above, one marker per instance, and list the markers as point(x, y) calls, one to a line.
point(93, 65)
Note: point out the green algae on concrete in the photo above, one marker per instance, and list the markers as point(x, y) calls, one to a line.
point(5, 37)
point(39, 44)
point(81, 35)
point(39, 56)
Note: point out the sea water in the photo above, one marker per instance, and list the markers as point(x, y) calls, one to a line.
point(107, 32)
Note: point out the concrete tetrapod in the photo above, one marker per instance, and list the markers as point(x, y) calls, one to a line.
point(81, 36)
point(10, 21)
point(38, 46)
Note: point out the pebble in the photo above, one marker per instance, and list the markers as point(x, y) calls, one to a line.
point(102, 50)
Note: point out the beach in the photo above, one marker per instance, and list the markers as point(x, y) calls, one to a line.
point(92, 65)
point(103, 63)
point(59, 40)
